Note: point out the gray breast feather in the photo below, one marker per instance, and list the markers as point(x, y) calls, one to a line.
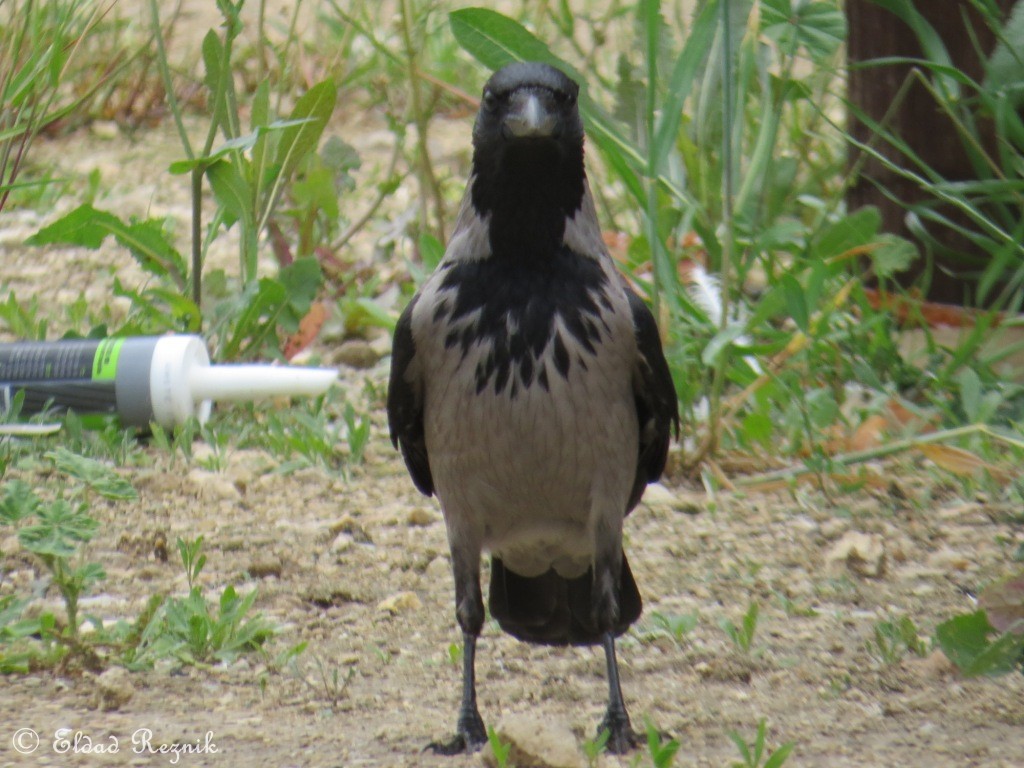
point(583, 231)
point(470, 238)
point(537, 470)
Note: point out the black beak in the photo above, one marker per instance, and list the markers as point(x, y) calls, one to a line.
point(530, 116)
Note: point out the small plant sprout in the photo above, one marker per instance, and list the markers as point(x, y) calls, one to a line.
point(592, 748)
point(743, 635)
point(455, 654)
point(753, 754)
point(357, 429)
point(500, 748)
point(661, 752)
point(195, 630)
point(192, 558)
point(675, 625)
point(792, 608)
point(893, 639)
point(333, 683)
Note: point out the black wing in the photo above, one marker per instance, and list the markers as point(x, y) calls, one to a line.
point(657, 407)
point(405, 404)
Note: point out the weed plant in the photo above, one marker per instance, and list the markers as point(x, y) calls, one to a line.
point(754, 755)
point(893, 639)
point(742, 636)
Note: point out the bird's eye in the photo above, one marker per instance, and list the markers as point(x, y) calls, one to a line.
point(490, 100)
point(565, 97)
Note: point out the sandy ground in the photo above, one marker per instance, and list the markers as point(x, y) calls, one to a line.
point(358, 570)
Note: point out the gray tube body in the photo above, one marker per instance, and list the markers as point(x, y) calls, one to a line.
point(89, 376)
point(131, 385)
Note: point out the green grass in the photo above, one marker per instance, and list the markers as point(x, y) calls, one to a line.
point(742, 635)
point(755, 754)
point(893, 639)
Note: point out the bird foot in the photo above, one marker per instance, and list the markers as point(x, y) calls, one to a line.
point(469, 738)
point(621, 736)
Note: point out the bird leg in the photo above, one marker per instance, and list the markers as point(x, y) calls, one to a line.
point(621, 736)
point(470, 733)
point(607, 576)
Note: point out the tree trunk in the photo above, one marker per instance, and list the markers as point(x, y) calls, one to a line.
point(946, 273)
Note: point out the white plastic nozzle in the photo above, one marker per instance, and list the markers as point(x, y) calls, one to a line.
point(184, 384)
point(252, 382)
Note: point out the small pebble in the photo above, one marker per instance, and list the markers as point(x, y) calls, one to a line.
point(420, 517)
point(356, 353)
point(536, 741)
point(400, 602)
point(114, 689)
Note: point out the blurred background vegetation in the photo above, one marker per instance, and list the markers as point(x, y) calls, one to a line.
point(736, 152)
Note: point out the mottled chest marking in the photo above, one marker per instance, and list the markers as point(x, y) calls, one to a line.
point(524, 316)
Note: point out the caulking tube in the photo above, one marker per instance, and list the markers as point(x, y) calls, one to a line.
point(141, 379)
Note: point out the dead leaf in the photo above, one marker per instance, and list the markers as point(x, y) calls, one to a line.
point(958, 461)
point(910, 310)
point(309, 327)
point(870, 434)
point(1003, 602)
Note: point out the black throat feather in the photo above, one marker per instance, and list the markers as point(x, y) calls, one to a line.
point(530, 189)
point(532, 291)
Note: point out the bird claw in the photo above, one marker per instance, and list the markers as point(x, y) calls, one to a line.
point(621, 736)
point(471, 736)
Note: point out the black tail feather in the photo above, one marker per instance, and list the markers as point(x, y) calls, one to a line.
point(552, 610)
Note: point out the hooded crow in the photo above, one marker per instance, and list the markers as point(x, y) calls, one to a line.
point(530, 392)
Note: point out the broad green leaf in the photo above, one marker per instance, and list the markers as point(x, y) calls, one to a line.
point(758, 427)
point(820, 28)
point(340, 156)
point(720, 342)
point(314, 190)
point(60, 529)
point(969, 384)
point(1005, 70)
point(147, 241)
point(18, 502)
point(1002, 656)
point(215, 74)
point(963, 638)
point(856, 229)
point(83, 226)
point(376, 314)
point(260, 116)
point(496, 40)
point(257, 322)
point(301, 280)
point(780, 755)
point(232, 192)
point(98, 476)
point(238, 144)
point(263, 149)
point(688, 67)
point(314, 108)
point(796, 301)
point(431, 250)
point(894, 254)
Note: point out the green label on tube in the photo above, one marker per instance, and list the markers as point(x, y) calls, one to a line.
point(104, 363)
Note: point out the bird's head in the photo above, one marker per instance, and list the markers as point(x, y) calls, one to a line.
point(529, 103)
point(528, 140)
